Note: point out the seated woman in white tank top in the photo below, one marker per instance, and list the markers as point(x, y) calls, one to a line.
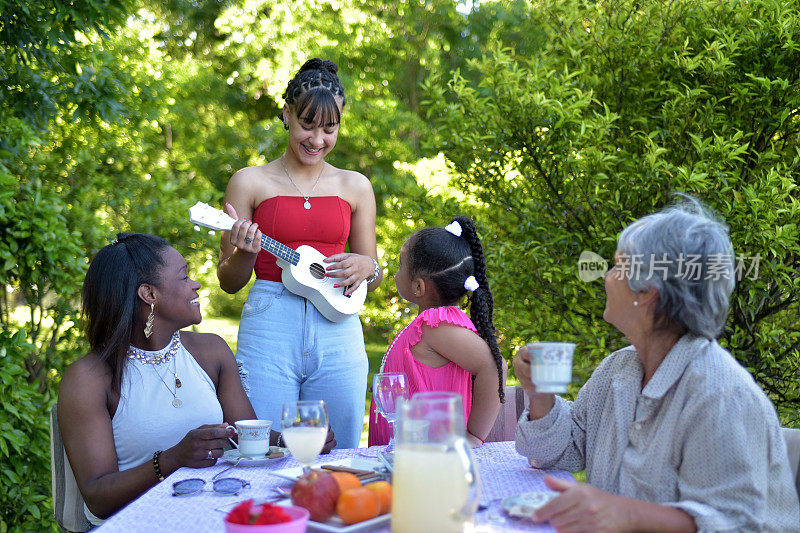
point(149, 398)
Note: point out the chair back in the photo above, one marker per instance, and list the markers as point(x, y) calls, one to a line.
point(792, 438)
point(67, 499)
point(505, 425)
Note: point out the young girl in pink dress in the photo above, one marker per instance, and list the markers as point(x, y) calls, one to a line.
point(442, 349)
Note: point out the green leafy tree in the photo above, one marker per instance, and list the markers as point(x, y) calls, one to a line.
point(121, 114)
point(41, 83)
point(36, 37)
point(624, 103)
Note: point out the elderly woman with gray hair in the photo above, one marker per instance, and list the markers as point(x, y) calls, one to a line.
point(673, 433)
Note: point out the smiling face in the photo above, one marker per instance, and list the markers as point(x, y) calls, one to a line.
point(177, 299)
point(310, 140)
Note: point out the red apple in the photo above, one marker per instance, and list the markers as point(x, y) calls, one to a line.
point(318, 492)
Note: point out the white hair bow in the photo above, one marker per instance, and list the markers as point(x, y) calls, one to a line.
point(471, 284)
point(454, 227)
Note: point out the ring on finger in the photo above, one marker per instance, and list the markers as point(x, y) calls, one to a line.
point(248, 240)
point(210, 455)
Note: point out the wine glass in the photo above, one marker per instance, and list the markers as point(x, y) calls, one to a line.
point(305, 427)
point(387, 389)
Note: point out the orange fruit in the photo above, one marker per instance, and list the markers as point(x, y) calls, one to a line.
point(383, 489)
point(357, 505)
point(346, 480)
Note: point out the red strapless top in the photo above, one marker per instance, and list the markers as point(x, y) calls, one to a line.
point(326, 227)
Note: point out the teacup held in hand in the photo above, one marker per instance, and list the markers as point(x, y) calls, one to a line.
point(551, 365)
point(253, 437)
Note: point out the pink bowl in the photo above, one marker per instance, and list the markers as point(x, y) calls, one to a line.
point(297, 524)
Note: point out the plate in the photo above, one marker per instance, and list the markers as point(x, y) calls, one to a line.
point(523, 505)
point(295, 472)
point(335, 524)
point(332, 525)
point(233, 455)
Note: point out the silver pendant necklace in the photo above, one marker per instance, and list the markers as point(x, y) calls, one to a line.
point(306, 204)
point(176, 402)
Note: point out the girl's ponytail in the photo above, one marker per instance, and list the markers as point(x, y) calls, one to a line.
point(481, 301)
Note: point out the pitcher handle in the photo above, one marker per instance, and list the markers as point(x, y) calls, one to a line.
point(471, 476)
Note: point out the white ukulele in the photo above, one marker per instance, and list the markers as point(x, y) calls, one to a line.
point(303, 269)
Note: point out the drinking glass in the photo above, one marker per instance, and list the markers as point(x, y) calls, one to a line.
point(387, 389)
point(305, 427)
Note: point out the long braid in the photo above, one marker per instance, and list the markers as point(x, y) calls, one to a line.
point(448, 260)
point(470, 234)
point(482, 303)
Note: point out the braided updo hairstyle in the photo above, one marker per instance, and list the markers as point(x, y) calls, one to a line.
point(447, 260)
point(313, 91)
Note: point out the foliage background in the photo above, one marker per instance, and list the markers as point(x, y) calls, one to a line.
point(553, 124)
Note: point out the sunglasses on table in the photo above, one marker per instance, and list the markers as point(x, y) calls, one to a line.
point(226, 486)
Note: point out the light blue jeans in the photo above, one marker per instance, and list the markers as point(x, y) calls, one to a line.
point(288, 351)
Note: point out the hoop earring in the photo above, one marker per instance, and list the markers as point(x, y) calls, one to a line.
point(148, 326)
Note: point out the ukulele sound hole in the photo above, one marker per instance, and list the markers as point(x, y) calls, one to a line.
point(317, 270)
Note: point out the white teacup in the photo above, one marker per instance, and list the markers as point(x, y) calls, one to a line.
point(253, 437)
point(551, 365)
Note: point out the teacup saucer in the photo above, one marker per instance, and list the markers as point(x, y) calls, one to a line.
point(275, 453)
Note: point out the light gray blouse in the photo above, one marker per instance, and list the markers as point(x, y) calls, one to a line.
point(701, 436)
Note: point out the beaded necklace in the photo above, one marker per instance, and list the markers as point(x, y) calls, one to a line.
point(383, 360)
point(157, 358)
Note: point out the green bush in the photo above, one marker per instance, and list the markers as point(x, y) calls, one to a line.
point(624, 103)
point(26, 504)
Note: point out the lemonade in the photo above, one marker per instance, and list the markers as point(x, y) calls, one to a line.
point(429, 490)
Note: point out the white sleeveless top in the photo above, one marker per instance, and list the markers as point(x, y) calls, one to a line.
point(146, 420)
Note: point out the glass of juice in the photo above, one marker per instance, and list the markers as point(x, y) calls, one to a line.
point(305, 427)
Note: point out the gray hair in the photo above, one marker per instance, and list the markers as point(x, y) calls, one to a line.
point(685, 253)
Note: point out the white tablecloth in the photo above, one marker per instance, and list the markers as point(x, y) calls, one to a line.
point(503, 473)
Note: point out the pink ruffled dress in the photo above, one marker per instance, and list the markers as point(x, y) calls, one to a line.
point(421, 377)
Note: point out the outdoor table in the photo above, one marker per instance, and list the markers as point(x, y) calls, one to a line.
point(503, 473)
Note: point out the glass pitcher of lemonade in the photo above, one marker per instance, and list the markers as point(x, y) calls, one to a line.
point(436, 485)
